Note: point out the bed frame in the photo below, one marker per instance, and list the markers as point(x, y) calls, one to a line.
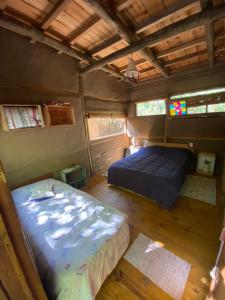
point(18, 274)
point(174, 145)
point(33, 180)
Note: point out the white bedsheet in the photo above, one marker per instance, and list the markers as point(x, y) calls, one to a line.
point(76, 239)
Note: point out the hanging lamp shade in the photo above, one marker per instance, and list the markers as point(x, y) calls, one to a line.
point(131, 70)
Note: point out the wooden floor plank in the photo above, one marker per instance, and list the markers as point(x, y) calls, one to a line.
point(190, 230)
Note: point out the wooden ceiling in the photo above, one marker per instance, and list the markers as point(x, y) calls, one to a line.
point(96, 29)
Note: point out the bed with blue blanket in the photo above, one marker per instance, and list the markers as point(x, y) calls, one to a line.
point(156, 172)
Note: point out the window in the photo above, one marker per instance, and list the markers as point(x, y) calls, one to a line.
point(200, 93)
point(151, 108)
point(218, 107)
point(103, 127)
point(178, 108)
point(201, 109)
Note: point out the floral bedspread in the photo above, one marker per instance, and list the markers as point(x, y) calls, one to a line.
point(76, 240)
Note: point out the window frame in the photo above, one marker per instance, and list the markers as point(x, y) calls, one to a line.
point(151, 100)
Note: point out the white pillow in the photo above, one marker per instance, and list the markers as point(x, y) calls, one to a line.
point(42, 192)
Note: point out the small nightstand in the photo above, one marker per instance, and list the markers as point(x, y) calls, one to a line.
point(206, 163)
point(74, 176)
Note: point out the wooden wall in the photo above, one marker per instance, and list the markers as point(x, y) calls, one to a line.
point(34, 73)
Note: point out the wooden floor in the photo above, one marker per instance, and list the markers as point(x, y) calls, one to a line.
point(190, 230)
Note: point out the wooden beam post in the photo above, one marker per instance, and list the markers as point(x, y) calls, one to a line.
point(14, 230)
point(113, 20)
point(85, 123)
point(57, 9)
point(172, 30)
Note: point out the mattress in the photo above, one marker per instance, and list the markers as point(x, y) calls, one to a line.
point(76, 240)
point(155, 172)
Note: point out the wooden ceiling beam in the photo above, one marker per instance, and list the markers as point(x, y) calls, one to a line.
point(209, 28)
point(177, 60)
point(170, 12)
point(84, 28)
point(35, 34)
point(57, 9)
point(3, 4)
point(108, 43)
point(113, 20)
point(124, 4)
point(146, 70)
point(175, 29)
point(209, 31)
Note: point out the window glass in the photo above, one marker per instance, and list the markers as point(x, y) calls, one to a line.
point(151, 108)
point(103, 127)
point(178, 108)
point(217, 107)
point(201, 109)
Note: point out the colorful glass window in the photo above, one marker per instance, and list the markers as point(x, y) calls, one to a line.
point(178, 108)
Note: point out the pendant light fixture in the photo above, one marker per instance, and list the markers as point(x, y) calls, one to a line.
point(131, 72)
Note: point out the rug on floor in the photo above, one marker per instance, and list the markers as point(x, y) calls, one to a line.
point(200, 188)
point(161, 266)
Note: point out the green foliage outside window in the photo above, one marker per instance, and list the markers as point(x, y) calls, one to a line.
point(151, 108)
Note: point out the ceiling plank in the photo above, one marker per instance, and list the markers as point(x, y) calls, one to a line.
point(124, 4)
point(87, 26)
point(209, 28)
point(174, 10)
point(108, 43)
point(183, 58)
point(57, 9)
point(3, 4)
point(194, 21)
point(182, 47)
point(113, 20)
point(137, 63)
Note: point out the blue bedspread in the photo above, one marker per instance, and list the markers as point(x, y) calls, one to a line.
point(155, 172)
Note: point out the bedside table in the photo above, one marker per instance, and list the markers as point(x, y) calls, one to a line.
point(206, 163)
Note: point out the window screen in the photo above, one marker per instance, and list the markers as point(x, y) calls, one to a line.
point(103, 127)
point(217, 107)
point(201, 109)
point(151, 108)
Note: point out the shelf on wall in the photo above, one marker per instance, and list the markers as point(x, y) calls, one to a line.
point(56, 115)
point(16, 117)
point(23, 116)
